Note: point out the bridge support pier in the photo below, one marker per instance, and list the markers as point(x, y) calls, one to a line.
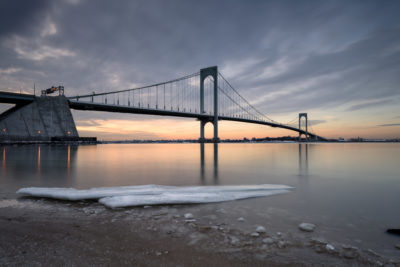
point(202, 125)
point(301, 115)
point(204, 73)
point(202, 135)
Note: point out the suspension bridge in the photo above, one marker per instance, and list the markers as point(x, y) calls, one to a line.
point(206, 96)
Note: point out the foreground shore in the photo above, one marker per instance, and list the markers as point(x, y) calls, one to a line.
point(39, 232)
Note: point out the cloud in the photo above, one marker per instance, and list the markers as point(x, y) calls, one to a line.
point(26, 49)
point(49, 29)
point(87, 123)
point(283, 57)
point(316, 122)
point(21, 17)
point(389, 125)
point(10, 70)
point(372, 103)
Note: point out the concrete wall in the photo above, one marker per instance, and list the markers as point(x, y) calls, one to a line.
point(44, 118)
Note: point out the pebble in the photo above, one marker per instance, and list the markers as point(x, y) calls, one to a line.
point(234, 240)
point(221, 210)
point(146, 207)
point(350, 252)
point(397, 246)
point(188, 216)
point(240, 219)
point(318, 241)
point(282, 244)
point(307, 227)
point(278, 233)
point(255, 234)
point(372, 253)
point(268, 241)
point(329, 248)
point(158, 253)
point(260, 229)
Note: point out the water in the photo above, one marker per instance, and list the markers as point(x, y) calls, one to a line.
point(350, 190)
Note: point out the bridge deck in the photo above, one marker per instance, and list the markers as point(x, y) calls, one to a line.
point(16, 98)
point(79, 105)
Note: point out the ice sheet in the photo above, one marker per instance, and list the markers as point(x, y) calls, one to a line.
point(93, 193)
point(184, 198)
point(125, 196)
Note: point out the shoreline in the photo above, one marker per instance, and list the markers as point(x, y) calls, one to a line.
point(75, 143)
point(49, 232)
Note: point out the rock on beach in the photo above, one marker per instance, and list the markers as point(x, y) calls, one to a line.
point(307, 227)
point(260, 229)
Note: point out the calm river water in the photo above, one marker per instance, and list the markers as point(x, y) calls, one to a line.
point(351, 191)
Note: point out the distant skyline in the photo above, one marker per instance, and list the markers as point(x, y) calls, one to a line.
point(339, 61)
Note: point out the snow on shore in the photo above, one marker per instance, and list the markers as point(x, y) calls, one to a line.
point(125, 196)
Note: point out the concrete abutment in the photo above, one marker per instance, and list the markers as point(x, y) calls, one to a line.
point(46, 118)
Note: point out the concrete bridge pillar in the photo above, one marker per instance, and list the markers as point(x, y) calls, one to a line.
point(204, 73)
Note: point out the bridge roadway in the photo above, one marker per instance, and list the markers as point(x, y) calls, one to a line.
point(15, 98)
point(79, 105)
point(23, 99)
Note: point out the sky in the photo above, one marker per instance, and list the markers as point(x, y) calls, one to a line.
point(339, 61)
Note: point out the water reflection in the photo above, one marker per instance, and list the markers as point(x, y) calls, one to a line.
point(39, 159)
point(216, 163)
point(69, 161)
point(4, 159)
point(203, 165)
point(303, 159)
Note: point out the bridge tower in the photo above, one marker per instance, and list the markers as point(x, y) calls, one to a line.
point(301, 115)
point(204, 73)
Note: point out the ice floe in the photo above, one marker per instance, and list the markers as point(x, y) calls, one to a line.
point(93, 193)
point(125, 196)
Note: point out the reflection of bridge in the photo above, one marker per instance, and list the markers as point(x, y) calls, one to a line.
point(206, 96)
point(214, 163)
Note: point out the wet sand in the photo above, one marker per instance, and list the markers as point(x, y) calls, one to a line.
point(38, 232)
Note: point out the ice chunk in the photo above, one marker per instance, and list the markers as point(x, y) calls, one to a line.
point(182, 198)
point(93, 193)
point(125, 196)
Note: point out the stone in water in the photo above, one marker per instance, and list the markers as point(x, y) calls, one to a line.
point(268, 241)
point(240, 219)
point(307, 227)
point(329, 248)
point(260, 229)
point(188, 216)
point(255, 234)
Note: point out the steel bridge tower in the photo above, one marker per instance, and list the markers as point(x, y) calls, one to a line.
point(301, 115)
point(204, 73)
